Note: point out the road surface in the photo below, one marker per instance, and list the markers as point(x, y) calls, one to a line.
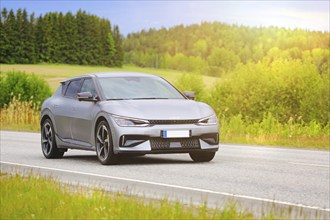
point(254, 177)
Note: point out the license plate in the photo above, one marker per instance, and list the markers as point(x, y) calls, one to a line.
point(176, 134)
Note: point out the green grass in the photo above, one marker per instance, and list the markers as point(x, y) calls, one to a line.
point(55, 73)
point(40, 198)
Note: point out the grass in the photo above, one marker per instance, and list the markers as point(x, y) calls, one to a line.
point(40, 198)
point(55, 73)
point(271, 132)
point(20, 116)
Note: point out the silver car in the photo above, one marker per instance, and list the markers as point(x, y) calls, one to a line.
point(126, 113)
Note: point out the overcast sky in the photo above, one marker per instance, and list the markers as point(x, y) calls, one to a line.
point(133, 16)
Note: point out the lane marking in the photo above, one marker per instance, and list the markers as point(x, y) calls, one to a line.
point(310, 164)
point(172, 186)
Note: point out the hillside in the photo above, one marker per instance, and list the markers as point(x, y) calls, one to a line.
point(217, 48)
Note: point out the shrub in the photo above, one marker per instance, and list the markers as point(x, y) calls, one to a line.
point(27, 86)
point(191, 82)
point(286, 89)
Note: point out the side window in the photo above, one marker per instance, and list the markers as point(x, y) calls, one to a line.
point(64, 86)
point(73, 88)
point(88, 86)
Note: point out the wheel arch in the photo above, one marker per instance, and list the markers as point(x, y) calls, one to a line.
point(46, 114)
point(104, 117)
point(97, 121)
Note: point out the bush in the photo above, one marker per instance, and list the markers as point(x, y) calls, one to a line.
point(286, 89)
point(26, 86)
point(191, 82)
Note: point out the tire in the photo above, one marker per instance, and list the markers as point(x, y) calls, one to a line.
point(202, 156)
point(104, 144)
point(48, 141)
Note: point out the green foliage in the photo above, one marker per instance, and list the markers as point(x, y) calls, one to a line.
point(286, 89)
point(57, 38)
point(26, 86)
point(220, 47)
point(191, 82)
point(269, 131)
point(221, 61)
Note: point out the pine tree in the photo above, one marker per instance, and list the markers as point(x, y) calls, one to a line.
point(69, 38)
point(57, 38)
point(11, 33)
point(119, 54)
point(3, 37)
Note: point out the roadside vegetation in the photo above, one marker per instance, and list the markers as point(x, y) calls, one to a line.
point(265, 129)
point(40, 198)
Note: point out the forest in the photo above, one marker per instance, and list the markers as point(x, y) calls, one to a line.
point(79, 38)
point(216, 48)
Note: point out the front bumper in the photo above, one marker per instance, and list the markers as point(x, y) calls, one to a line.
point(149, 140)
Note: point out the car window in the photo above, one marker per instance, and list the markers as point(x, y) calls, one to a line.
point(73, 88)
point(88, 86)
point(138, 88)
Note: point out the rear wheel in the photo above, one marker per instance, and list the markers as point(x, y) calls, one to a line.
point(202, 156)
point(48, 142)
point(104, 146)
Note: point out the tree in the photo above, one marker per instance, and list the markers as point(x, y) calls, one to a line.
point(118, 39)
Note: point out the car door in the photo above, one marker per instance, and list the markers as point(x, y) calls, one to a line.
point(63, 108)
point(84, 113)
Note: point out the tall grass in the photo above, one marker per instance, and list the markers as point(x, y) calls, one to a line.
point(20, 115)
point(269, 131)
point(40, 198)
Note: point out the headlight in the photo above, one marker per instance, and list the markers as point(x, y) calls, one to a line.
point(211, 120)
point(129, 122)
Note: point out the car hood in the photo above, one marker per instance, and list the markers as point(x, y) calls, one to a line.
point(179, 109)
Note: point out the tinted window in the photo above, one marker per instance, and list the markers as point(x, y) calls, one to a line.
point(88, 86)
point(64, 86)
point(73, 88)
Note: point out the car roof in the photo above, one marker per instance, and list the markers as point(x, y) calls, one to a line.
point(111, 74)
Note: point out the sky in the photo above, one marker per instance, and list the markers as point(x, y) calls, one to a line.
point(133, 16)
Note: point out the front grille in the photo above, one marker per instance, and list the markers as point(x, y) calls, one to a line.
point(174, 143)
point(170, 122)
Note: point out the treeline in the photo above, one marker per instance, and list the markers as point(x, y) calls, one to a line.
point(79, 38)
point(217, 48)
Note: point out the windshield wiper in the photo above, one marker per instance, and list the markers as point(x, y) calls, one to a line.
point(148, 98)
point(115, 99)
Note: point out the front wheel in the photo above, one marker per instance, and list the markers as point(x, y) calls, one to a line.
point(48, 142)
point(104, 146)
point(202, 156)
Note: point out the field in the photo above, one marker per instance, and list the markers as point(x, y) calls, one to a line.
point(55, 73)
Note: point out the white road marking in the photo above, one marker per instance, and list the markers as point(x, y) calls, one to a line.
point(310, 164)
point(172, 186)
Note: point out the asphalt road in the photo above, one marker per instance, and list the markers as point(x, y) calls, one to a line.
point(255, 177)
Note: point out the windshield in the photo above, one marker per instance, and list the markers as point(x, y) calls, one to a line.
point(117, 88)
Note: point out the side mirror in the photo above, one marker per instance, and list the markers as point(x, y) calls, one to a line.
point(86, 96)
point(189, 95)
